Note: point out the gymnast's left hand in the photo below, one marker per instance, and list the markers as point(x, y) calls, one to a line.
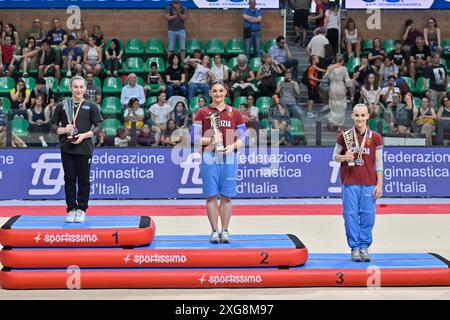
point(378, 192)
point(228, 149)
point(80, 137)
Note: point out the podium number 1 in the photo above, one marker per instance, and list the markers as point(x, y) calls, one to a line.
point(116, 235)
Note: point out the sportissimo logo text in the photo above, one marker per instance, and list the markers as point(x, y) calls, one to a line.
point(158, 258)
point(235, 278)
point(72, 238)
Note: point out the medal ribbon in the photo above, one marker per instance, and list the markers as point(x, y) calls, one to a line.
point(75, 116)
point(359, 148)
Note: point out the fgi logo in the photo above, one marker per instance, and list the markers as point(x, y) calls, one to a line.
point(47, 164)
point(334, 177)
point(192, 164)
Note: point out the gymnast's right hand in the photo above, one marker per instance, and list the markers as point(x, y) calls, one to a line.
point(349, 156)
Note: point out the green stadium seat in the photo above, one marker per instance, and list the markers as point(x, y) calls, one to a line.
point(373, 125)
point(159, 61)
point(52, 82)
point(133, 64)
point(254, 64)
point(420, 90)
point(139, 80)
point(6, 85)
point(20, 127)
point(110, 126)
point(29, 82)
point(151, 100)
point(278, 80)
point(261, 47)
point(5, 105)
point(265, 124)
point(134, 47)
point(411, 84)
point(228, 101)
point(417, 102)
point(155, 47)
point(215, 46)
point(111, 106)
point(352, 63)
point(64, 86)
point(445, 44)
point(264, 104)
point(388, 45)
point(239, 100)
point(367, 44)
point(112, 85)
point(297, 128)
point(235, 47)
point(270, 43)
point(232, 63)
point(154, 88)
point(192, 44)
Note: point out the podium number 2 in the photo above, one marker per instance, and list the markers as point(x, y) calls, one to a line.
point(265, 256)
point(116, 235)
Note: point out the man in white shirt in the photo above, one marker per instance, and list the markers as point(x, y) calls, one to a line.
point(160, 114)
point(132, 90)
point(316, 46)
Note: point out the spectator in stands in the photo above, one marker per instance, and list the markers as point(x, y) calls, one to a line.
point(36, 32)
point(154, 78)
point(145, 137)
point(201, 78)
point(39, 120)
point(425, 120)
point(160, 113)
point(319, 17)
point(20, 98)
point(398, 56)
point(388, 68)
point(351, 40)
point(180, 115)
point(175, 77)
point(99, 39)
point(432, 36)
point(132, 90)
point(313, 84)
point(113, 58)
point(93, 58)
point(72, 56)
point(331, 23)
point(443, 119)
point(301, 13)
point(316, 46)
point(221, 72)
point(251, 103)
point(250, 116)
point(197, 56)
point(47, 94)
point(267, 74)
point(360, 74)
point(29, 57)
point(280, 119)
point(93, 93)
point(420, 57)
point(10, 30)
point(339, 82)
point(438, 77)
point(242, 77)
point(176, 15)
point(288, 89)
point(404, 110)
point(7, 57)
point(101, 140)
point(48, 60)
point(389, 90)
point(371, 93)
point(410, 35)
point(81, 35)
point(58, 39)
point(201, 103)
point(283, 56)
point(377, 54)
point(252, 28)
point(171, 136)
point(16, 141)
point(134, 113)
point(122, 138)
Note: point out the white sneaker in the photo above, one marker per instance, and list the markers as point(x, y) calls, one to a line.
point(69, 74)
point(225, 236)
point(43, 143)
point(325, 108)
point(17, 58)
point(71, 216)
point(81, 216)
point(310, 115)
point(215, 237)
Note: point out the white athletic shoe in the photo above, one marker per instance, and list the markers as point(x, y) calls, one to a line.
point(71, 216)
point(81, 216)
point(215, 237)
point(225, 236)
point(69, 74)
